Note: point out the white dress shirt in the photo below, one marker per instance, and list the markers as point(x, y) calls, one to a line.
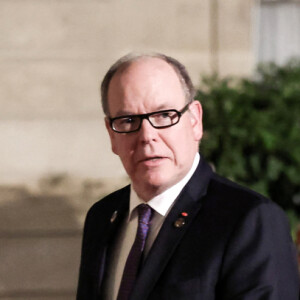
point(161, 205)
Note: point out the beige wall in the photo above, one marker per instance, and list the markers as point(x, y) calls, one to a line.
point(53, 54)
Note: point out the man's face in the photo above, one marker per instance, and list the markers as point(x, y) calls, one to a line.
point(155, 159)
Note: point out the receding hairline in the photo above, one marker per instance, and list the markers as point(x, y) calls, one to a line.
point(126, 61)
point(139, 60)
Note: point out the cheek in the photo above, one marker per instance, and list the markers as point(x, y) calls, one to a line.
point(181, 145)
point(124, 149)
point(119, 144)
point(175, 145)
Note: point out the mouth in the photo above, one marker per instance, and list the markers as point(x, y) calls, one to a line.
point(152, 160)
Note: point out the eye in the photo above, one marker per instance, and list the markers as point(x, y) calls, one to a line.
point(163, 118)
point(128, 120)
point(166, 114)
point(125, 123)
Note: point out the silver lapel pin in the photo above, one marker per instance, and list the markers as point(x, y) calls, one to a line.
point(114, 216)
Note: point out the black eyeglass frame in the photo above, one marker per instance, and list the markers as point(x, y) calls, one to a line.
point(146, 116)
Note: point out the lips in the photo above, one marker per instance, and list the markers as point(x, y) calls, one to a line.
point(151, 158)
point(152, 161)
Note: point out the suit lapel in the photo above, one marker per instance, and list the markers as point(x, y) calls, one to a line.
point(169, 237)
point(116, 215)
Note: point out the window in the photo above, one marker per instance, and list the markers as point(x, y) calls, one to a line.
point(278, 31)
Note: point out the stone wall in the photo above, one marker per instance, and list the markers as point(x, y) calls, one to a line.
point(54, 53)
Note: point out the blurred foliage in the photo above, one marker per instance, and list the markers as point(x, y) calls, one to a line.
point(252, 130)
point(294, 223)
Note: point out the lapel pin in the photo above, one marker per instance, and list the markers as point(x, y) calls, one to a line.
point(179, 222)
point(114, 216)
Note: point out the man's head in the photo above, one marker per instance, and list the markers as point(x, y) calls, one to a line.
point(154, 158)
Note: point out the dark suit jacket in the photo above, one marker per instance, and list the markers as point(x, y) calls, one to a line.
point(235, 244)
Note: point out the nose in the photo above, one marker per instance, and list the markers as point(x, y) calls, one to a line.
point(147, 132)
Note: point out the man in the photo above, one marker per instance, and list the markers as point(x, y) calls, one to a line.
point(204, 237)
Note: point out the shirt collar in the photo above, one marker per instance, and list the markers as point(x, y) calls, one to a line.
point(163, 202)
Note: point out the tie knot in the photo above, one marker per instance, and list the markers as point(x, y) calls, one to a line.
point(144, 212)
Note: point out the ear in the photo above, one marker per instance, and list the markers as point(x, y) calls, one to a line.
point(111, 136)
point(196, 119)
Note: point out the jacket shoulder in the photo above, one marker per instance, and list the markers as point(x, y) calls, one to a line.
point(110, 202)
point(231, 202)
point(235, 192)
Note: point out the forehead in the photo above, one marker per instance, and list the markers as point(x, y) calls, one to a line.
point(145, 83)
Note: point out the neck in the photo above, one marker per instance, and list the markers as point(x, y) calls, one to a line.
point(147, 192)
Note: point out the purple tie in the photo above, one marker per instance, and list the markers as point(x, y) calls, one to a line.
point(135, 254)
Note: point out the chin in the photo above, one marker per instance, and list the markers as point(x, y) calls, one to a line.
point(148, 187)
point(157, 182)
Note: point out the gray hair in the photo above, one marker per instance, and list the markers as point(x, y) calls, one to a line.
point(126, 60)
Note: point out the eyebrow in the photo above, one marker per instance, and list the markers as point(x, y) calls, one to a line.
point(163, 107)
point(128, 113)
point(123, 113)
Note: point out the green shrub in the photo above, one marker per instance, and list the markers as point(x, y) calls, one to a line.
point(252, 130)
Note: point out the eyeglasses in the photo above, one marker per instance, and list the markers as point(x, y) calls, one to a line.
point(158, 119)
